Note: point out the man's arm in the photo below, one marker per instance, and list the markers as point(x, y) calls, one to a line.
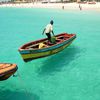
point(43, 32)
point(53, 33)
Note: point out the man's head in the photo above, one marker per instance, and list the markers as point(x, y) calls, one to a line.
point(51, 22)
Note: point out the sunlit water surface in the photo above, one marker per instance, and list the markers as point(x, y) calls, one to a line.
point(73, 74)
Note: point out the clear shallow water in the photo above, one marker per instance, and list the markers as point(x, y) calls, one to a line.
point(73, 74)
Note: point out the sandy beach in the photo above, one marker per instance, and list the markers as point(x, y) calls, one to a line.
point(64, 6)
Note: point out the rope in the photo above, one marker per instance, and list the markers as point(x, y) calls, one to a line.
point(22, 83)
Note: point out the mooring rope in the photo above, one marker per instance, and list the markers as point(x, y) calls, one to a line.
point(22, 83)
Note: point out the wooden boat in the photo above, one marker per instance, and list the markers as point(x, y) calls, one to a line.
point(6, 70)
point(32, 50)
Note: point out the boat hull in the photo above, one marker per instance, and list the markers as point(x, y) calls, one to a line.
point(31, 56)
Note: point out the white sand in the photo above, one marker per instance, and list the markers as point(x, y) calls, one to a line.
point(67, 6)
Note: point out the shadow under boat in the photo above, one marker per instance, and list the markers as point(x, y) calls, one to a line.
point(16, 95)
point(56, 62)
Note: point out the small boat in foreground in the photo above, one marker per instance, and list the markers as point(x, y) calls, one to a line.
point(6, 70)
point(42, 48)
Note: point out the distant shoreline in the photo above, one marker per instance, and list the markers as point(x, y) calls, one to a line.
point(63, 6)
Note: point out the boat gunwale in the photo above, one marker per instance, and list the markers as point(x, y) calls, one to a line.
point(20, 49)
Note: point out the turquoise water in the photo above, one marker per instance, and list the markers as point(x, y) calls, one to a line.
point(73, 74)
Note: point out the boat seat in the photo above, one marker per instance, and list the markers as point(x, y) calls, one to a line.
point(58, 40)
point(32, 46)
point(60, 37)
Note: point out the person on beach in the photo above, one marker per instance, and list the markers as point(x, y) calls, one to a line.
point(80, 7)
point(63, 7)
point(48, 30)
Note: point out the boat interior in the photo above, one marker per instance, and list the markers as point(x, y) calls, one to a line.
point(46, 43)
point(2, 66)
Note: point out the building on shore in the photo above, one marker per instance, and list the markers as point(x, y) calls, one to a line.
point(57, 1)
point(49, 1)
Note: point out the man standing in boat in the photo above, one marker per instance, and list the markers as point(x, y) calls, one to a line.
point(48, 29)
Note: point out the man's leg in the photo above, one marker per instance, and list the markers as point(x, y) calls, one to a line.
point(49, 36)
